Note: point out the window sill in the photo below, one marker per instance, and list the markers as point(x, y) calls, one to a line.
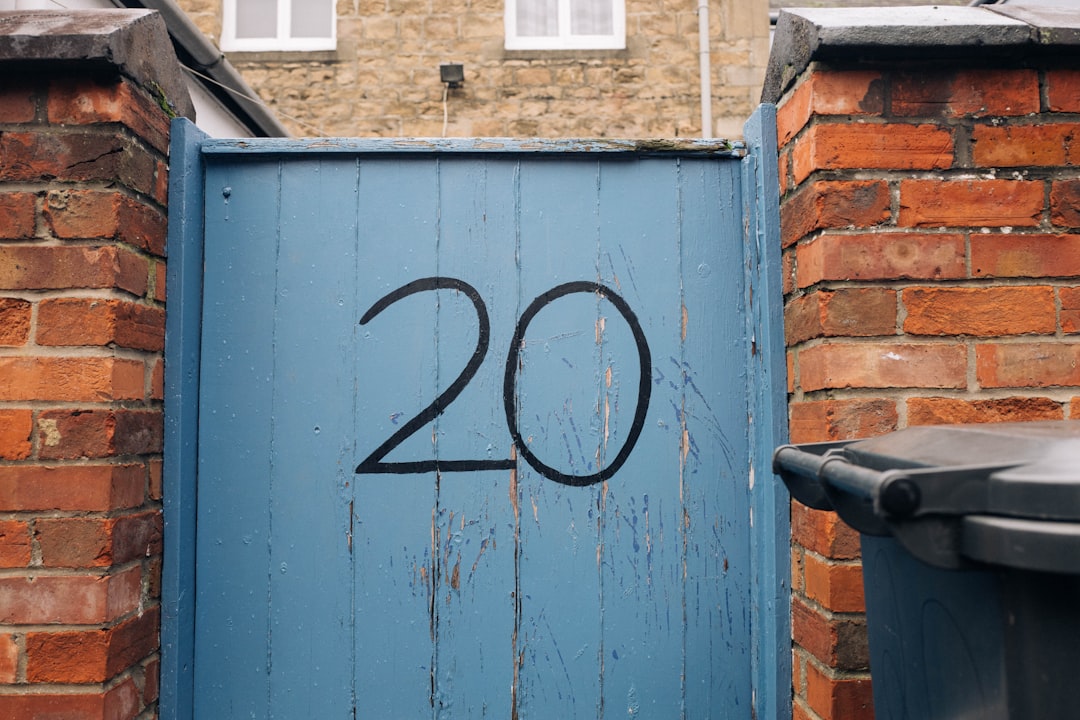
point(286, 56)
point(620, 54)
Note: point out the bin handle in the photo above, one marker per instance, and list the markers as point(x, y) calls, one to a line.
point(821, 477)
point(855, 493)
point(896, 494)
point(800, 466)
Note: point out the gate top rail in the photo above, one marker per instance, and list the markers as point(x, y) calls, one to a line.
point(647, 147)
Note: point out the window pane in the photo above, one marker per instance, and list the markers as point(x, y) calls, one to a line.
point(537, 18)
point(312, 18)
point(591, 17)
point(256, 18)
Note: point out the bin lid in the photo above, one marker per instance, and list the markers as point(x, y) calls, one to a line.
point(1021, 469)
point(1004, 493)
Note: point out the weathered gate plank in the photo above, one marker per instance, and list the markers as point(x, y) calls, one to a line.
point(314, 442)
point(236, 419)
point(767, 401)
point(558, 635)
point(395, 378)
point(714, 383)
point(642, 581)
point(475, 534)
point(183, 332)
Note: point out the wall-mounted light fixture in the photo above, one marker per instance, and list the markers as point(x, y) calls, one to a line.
point(452, 74)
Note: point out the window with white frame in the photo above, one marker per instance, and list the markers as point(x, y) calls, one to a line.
point(565, 24)
point(261, 25)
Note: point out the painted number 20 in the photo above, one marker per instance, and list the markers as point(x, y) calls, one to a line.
point(374, 462)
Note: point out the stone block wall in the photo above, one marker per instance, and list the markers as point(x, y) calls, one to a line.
point(383, 80)
point(83, 179)
point(931, 244)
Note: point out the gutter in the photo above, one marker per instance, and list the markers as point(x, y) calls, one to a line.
point(196, 52)
point(705, 65)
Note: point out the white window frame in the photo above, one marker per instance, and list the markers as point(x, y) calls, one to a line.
point(564, 40)
point(283, 41)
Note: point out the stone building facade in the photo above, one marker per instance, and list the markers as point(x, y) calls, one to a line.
point(382, 77)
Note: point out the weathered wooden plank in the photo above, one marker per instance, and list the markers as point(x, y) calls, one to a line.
point(396, 377)
point(642, 583)
point(557, 638)
point(715, 485)
point(313, 453)
point(770, 583)
point(183, 334)
point(474, 595)
point(236, 428)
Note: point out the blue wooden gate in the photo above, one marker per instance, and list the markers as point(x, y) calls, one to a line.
point(467, 429)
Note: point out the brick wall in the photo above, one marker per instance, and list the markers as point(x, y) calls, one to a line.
point(82, 238)
point(931, 242)
point(383, 80)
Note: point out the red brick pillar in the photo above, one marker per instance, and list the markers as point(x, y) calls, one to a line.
point(930, 220)
point(83, 152)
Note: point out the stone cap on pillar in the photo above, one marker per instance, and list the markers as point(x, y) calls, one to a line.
point(134, 43)
point(916, 34)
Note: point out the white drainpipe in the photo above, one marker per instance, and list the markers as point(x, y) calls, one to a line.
point(706, 72)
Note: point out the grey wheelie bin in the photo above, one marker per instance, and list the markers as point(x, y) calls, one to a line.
point(971, 562)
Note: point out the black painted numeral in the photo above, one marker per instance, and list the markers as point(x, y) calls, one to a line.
point(373, 463)
point(644, 384)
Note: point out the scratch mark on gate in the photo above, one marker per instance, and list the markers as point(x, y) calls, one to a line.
point(433, 616)
point(349, 535)
point(559, 655)
point(483, 549)
point(517, 654)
